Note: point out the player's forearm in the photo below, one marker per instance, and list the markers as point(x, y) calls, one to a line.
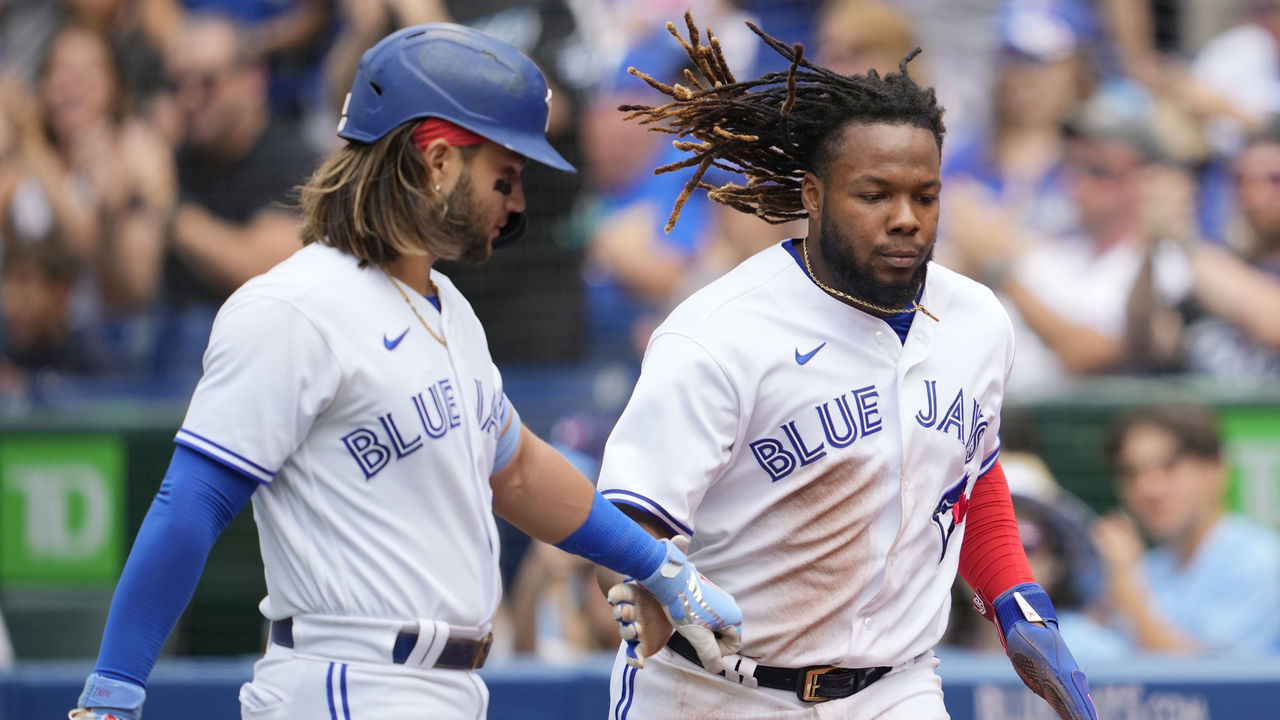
point(541, 492)
point(992, 559)
point(607, 578)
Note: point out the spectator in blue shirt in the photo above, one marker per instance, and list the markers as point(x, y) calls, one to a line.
point(1210, 583)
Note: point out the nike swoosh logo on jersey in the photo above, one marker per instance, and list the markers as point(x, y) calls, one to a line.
point(391, 344)
point(802, 359)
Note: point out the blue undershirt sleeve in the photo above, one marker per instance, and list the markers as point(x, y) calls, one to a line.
point(612, 539)
point(197, 500)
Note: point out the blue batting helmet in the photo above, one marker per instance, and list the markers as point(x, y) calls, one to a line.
point(457, 74)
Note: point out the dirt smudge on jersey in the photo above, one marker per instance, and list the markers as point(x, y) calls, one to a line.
point(801, 604)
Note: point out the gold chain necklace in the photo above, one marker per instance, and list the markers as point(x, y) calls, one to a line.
point(414, 309)
point(915, 306)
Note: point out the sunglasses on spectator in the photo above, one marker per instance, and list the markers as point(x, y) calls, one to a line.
point(205, 82)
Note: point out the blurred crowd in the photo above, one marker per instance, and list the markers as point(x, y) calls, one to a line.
point(1112, 171)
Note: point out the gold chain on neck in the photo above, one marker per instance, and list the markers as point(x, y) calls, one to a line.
point(404, 295)
point(915, 306)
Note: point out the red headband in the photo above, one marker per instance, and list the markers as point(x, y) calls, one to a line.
point(433, 128)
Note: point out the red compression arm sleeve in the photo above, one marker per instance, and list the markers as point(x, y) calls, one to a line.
point(992, 559)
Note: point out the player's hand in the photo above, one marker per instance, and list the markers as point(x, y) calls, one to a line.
point(106, 698)
point(642, 623)
point(1029, 630)
point(704, 614)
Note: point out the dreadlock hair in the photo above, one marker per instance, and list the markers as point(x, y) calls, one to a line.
point(775, 128)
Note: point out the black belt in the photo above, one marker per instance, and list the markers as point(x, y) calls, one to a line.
point(458, 653)
point(815, 684)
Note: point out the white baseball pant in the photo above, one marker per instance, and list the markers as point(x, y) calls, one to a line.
point(671, 687)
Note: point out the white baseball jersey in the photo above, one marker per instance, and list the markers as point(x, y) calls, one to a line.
point(821, 464)
point(373, 441)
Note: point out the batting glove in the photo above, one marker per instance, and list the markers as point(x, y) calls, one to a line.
point(106, 698)
point(1038, 653)
point(708, 617)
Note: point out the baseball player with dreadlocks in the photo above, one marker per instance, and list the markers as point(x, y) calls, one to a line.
point(824, 420)
point(350, 393)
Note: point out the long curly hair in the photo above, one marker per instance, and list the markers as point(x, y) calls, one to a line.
point(775, 128)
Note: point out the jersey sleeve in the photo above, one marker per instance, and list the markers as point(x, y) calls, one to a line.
point(508, 435)
point(990, 447)
point(675, 436)
point(268, 373)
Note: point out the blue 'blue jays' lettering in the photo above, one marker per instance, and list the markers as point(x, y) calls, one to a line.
point(370, 454)
point(437, 412)
point(397, 440)
point(848, 431)
point(488, 421)
point(931, 402)
point(859, 419)
point(952, 421)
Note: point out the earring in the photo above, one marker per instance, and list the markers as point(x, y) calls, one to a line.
point(437, 187)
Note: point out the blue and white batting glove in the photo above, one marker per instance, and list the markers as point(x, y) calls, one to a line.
point(708, 617)
point(106, 698)
point(1038, 653)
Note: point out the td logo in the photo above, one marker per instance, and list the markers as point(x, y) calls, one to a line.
point(61, 509)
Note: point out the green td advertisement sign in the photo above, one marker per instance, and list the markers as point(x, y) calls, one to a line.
point(1252, 441)
point(61, 509)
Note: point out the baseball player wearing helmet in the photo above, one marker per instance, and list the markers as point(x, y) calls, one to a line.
point(350, 394)
point(824, 419)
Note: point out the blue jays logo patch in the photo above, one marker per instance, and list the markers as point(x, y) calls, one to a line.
point(950, 511)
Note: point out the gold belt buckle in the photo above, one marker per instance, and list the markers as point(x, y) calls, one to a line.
point(811, 684)
point(482, 652)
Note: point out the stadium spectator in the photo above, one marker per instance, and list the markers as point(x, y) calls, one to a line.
point(289, 37)
point(1011, 179)
point(1210, 582)
point(1256, 233)
point(237, 168)
point(1067, 294)
point(136, 37)
point(1236, 76)
point(41, 344)
point(855, 35)
point(1220, 302)
point(558, 612)
point(88, 172)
